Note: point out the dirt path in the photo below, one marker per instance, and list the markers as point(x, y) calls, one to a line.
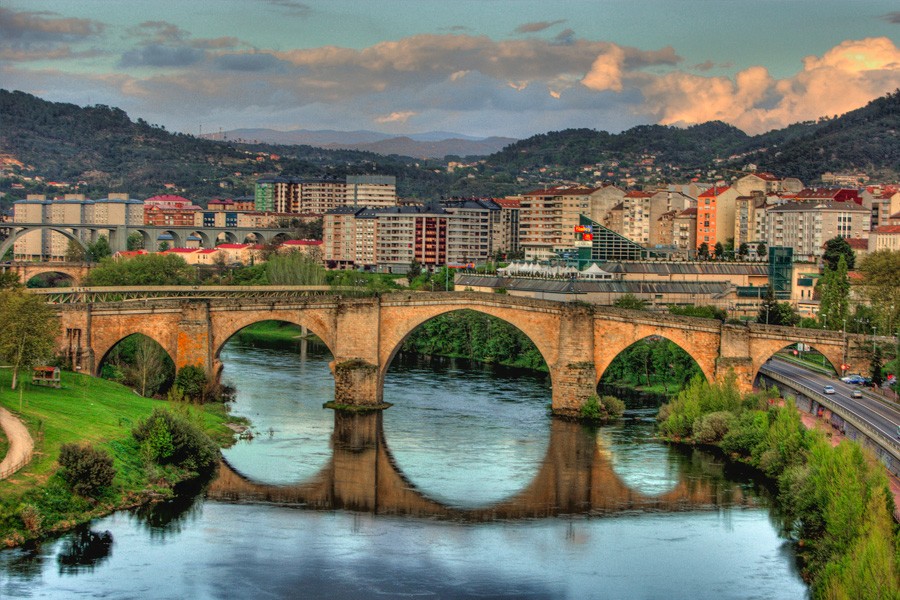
point(20, 444)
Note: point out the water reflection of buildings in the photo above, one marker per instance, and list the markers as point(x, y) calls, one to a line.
point(576, 477)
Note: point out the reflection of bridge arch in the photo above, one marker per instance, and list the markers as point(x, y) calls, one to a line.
point(575, 477)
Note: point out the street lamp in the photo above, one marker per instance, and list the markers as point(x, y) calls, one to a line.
point(874, 329)
point(824, 321)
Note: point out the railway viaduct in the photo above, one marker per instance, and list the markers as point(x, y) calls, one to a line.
point(578, 341)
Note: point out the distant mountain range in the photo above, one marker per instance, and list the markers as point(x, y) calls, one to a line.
point(431, 144)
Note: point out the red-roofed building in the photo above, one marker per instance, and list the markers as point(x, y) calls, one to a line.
point(828, 195)
point(169, 210)
point(309, 247)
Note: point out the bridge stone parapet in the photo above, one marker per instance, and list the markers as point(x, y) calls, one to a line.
point(577, 341)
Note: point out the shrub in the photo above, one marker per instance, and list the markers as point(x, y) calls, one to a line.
point(87, 470)
point(613, 406)
point(192, 381)
point(712, 427)
point(747, 434)
point(602, 409)
point(168, 438)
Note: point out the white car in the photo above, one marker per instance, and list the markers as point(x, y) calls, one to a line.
point(828, 389)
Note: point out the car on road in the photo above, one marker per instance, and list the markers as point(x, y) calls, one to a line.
point(856, 394)
point(828, 389)
point(854, 379)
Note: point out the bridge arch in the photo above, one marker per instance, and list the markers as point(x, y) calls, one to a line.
point(227, 325)
point(105, 352)
point(19, 233)
point(699, 338)
point(649, 366)
point(72, 279)
point(397, 327)
point(766, 341)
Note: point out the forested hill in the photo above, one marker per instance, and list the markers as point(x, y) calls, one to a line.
point(865, 140)
point(102, 147)
point(107, 151)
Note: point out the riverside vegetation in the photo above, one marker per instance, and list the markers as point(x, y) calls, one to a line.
point(100, 447)
point(834, 503)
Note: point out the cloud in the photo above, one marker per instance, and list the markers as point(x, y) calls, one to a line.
point(892, 17)
point(248, 62)
point(156, 55)
point(396, 117)
point(844, 78)
point(39, 27)
point(606, 71)
point(292, 7)
point(537, 26)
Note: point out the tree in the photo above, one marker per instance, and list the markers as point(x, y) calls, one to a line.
point(703, 251)
point(835, 295)
point(630, 301)
point(834, 249)
point(29, 333)
point(880, 274)
point(134, 242)
point(768, 309)
point(97, 251)
point(295, 268)
point(146, 269)
point(163, 246)
point(75, 252)
point(191, 380)
point(877, 373)
point(148, 367)
point(9, 279)
point(415, 269)
point(761, 249)
point(743, 250)
point(719, 250)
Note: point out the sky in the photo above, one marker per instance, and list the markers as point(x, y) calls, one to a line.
point(476, 67)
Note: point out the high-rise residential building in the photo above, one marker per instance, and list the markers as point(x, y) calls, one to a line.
point(317, 196)
point(547, 219)
point(750, 212)
point(506, 230)
point(684, 231)
point(806, 226)
point(715, 216)
point(882, 201)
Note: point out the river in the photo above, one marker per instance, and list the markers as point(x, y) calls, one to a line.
point(465, 488)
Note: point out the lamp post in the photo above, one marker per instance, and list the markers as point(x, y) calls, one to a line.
point(824, 321)
point(844, 338)
point(874, 329)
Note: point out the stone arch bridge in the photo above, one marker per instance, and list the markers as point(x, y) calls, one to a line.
point(578, 341)
point(26, 270)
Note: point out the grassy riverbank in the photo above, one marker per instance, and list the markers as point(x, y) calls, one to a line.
point(275, 331)
point(835, 503)
point(36, 502)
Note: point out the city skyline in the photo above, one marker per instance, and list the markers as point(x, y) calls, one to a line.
point(495, 67)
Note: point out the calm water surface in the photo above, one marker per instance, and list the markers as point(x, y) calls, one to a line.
point(460, 436)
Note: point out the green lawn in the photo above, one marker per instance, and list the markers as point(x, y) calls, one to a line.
point(86, 409)
point(272, 330)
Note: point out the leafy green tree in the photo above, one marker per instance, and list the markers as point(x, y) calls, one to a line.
point(719, 250)
point(98, 250)
point(835, 248)
point(703, 251)
point(743, 250)
point(769, 312)
point(294, 268)
point(75, 252)
point(630, 301)
point(146, 269)
point(135, 241)
point(704, 311)
point(835, 295)
point(761, 249)
point(9, 279)
point(880, 275)
point(192, 381)
point(415, 269)
point(876, 370)
point(29, 333)
point(163, 246)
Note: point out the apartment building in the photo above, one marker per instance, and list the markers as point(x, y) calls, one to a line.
point(548, 218)
point(806, 226)
point(317, 196)
point(749, 217)
point(715, 215)
point(882, 202)
point(506, 230)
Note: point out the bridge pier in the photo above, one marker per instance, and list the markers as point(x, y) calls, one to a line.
point(193, 342)
point(574, 376)
point(357, 383)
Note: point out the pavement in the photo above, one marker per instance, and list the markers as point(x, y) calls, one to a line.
point(20, 444)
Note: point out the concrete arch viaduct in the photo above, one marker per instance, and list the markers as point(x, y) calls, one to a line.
point(578, 341)
point(575, 477)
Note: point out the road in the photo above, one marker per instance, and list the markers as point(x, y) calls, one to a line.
point(878, 413)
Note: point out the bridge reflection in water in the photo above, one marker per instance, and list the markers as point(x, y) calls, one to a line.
point(576, 477)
